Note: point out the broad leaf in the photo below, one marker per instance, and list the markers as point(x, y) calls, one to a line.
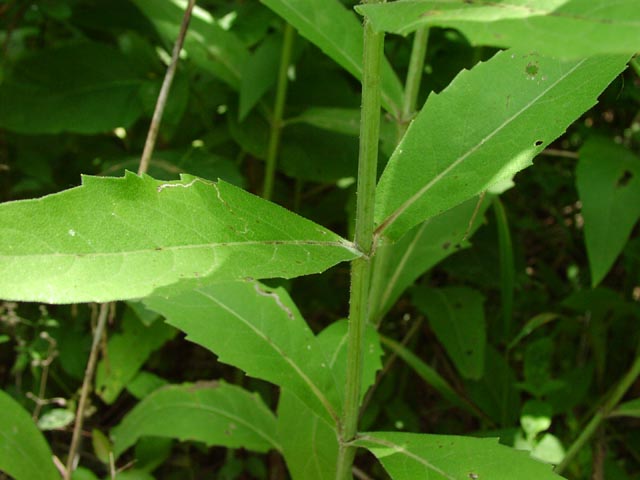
point(338, 33)
point(214, 413)
point(60, 90)
point(560, 28)
point(259, 73)
point(24, 452)
point(258, 330)
point(398, 265)
point(608, 181)
point(309, 444)
point(120, 238)
point(126, 352)
point(456, 315)
point(208, 45)
point(408, 456)
point(442, 161)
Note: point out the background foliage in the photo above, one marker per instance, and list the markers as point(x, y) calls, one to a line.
point(513, 316)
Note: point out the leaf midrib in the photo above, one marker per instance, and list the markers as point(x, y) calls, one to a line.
point(213, 245)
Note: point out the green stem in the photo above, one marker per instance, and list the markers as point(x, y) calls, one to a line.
point(412, 88)
point(414, 75)
point(278, 109)
point(360, 268)
point(612, 401)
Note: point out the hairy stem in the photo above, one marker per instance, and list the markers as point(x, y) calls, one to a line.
point(86, 386)
point(278, 109)
point(360, 268)
point(152, 135)
point(607, 407)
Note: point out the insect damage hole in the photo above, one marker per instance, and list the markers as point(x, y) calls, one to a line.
point(624, 179)
point(537, 143)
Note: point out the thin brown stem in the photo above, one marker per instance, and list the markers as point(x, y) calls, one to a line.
point(86, 387)
point(164, 91)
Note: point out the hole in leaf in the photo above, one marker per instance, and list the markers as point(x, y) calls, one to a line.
point(624, 179)
point(532, 69)
point(538, 143)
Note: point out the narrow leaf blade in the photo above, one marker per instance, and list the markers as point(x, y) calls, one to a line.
point(442, 161)
point(561, 28)
point(310, 444)
point(24, 452)
point(456, 315)
point(121, 238)
point(214, 413)
point(608, 181)
point(337, 32)
point(258, 330)
point(399, 264)
point(407, 456)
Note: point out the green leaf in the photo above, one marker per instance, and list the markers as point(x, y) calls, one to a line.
point(608, 181)
point(259, 74)
point(126, 352)
point(408, 456)
point(456, 315)
point(443, 161)
point(533, 324)
point(214, 413)
point(428, 374)
point(207, 44)
point(628, 409)
point(54, 419)
point(507, 265)
point(495, 393)
point(24, 452)
point(144, 383)
point(535, 418)
point(258, 330)
point(560, 28)
point(310, 444)
point(397, 265)
point(83, 88)
point(338, 33)
point(121, 238)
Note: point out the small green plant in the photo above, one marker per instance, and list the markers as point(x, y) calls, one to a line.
point(199, 254)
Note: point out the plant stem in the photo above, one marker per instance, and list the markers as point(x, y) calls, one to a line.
point(360, 268)
point(610, 403)
point(414, 75)
point(86, 386)
point(150, 143)
point(278, 109)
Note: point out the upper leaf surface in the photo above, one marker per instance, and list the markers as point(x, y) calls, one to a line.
point(562, 28)
point(456, 315)
point(407, 456)
point(216, 414)
point(338, 33)
point(121, 238)
point(608, 181)
point(258, 330)
point(24, 452)
point(469, 136)
point(62, 89)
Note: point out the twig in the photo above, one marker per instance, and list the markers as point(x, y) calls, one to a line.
point(86, 386)
point(164, 92)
